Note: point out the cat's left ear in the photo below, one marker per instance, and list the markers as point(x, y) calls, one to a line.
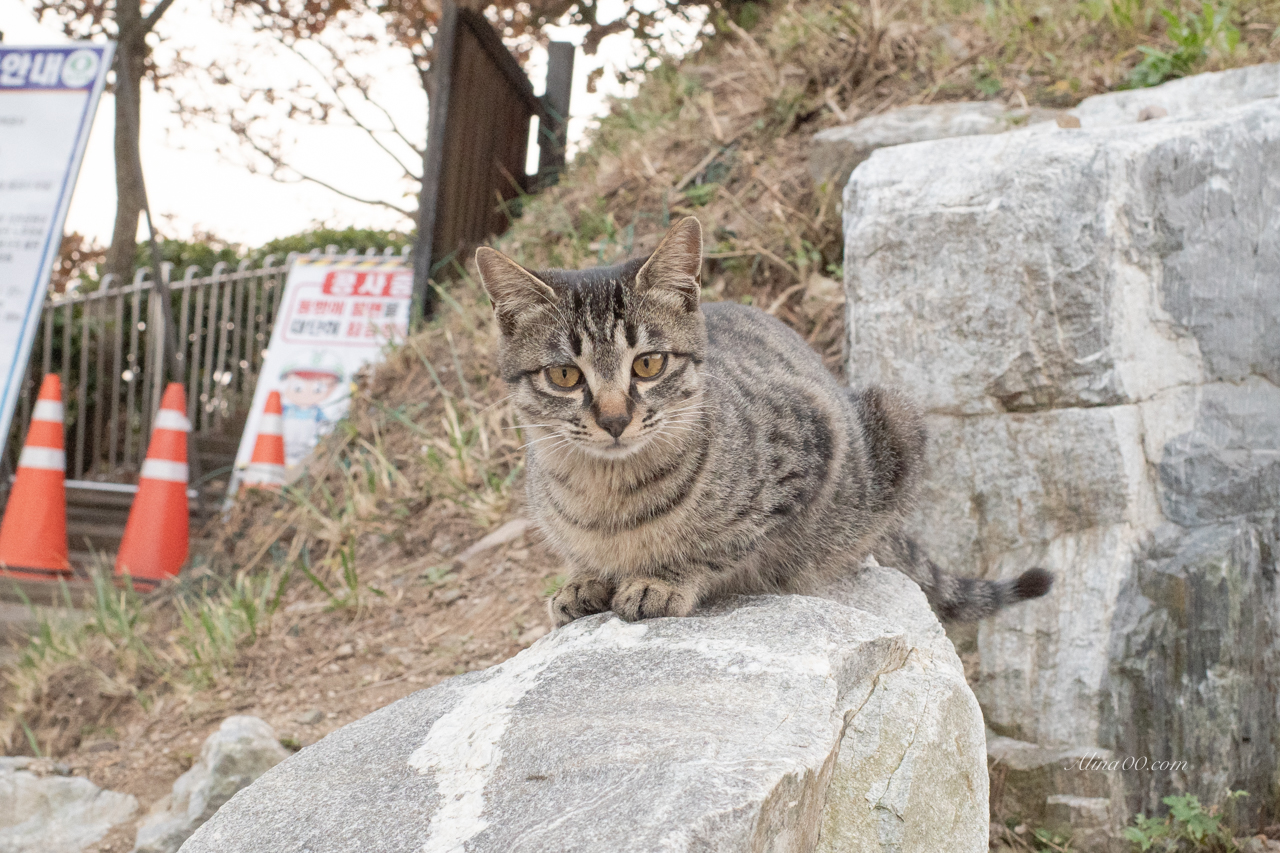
point(676, 265)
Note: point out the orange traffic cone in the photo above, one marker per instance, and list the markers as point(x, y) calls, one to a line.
point(156, 537)
point(266, 468)
point(33, 535)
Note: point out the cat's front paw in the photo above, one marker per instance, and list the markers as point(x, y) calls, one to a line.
point(646, 598)
point(578, 598)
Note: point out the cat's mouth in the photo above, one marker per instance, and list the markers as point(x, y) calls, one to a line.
point(618, 448)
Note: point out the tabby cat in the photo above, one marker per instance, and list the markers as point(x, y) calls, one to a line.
point(681, 452)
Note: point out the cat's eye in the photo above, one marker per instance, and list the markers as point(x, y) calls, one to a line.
point(649, 365)
point(564, 375)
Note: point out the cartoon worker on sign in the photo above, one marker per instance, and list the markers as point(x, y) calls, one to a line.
point(305, 385)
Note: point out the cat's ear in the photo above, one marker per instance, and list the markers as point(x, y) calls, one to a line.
point(676, 265)
point(514, 290)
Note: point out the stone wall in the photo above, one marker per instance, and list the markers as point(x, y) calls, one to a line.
point(1092, 318)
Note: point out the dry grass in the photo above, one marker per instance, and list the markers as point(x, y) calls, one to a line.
point(428, 450)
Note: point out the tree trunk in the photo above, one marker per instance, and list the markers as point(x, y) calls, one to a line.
point(131, 54)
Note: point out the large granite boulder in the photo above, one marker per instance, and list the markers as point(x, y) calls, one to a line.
point(1092, 318)
point(783, 723)
point(241, 750)
point(42, 810)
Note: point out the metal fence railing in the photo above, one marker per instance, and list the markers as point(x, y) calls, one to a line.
point(108, 347)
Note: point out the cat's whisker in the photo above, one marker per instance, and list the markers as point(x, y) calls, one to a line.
point(667, 440)
point(684, 423)
point(496, 403)
point(689, 415)
point(683, 409)
point(544, 438)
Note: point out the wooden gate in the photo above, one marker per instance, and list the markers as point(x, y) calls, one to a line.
point(478, 140)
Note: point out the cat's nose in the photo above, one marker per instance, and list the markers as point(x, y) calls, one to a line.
point(614, 424)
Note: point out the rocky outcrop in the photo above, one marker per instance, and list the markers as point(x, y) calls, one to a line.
point(1191, 97)
point(42, 810)
point(836, 151)
point(765, 724)
point(1073, 792)
point(241, 750)
point(1092, 318)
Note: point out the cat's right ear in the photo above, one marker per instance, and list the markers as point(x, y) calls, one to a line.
point(514, 290)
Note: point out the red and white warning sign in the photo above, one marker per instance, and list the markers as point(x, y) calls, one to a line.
point(336, 316)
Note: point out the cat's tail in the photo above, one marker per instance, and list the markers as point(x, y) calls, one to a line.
point(956, 598)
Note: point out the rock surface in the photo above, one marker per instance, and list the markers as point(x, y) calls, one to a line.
point(836, 151)
point(51, 813)
point(1191, 97)
point(1071, 791)
point(1092, 318)
point(241, 750)
point(765, 724)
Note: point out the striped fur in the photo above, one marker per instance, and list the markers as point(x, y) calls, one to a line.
point(744, 466)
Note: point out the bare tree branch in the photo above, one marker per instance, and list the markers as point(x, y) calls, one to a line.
point(149, 22)
point(363, 89)
point(280, 169)
point(362, 86)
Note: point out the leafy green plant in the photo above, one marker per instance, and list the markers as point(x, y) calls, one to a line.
point(1196, 37)
point(1051, 841)
point(1188, 828)
point(701, 194)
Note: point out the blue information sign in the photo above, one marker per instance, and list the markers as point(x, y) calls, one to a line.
point(48, 96)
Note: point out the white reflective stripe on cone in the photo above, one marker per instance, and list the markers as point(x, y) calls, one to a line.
point(163, 469)
point(169, 419)
point(261, 472)
point(271, 425)
point(48, 458)
point(47, 410)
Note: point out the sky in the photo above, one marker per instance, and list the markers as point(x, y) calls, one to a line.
point(197, 176)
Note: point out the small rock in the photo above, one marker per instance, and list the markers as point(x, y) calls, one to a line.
point(345, 650)
point(310, 718)
point(449, 596)
point(241, 750)
point(54, 813)
point(1149, 113)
